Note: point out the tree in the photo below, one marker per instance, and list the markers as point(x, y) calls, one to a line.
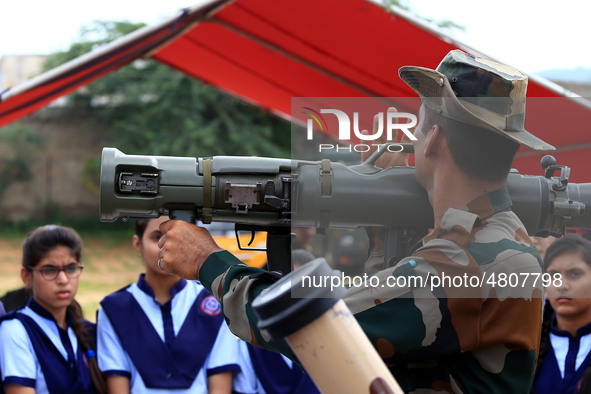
point(153, 109)
point(444, 24)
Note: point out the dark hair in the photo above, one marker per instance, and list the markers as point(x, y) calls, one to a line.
point(584, 385)
point(569, 244)
point(572, 243)
point(478, 152)
point(36, 246)
point(43, 239)
point(140, 226)
point(544, 339)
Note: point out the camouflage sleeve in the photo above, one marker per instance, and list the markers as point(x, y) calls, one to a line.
point(235, 285)
point(407, 320)
point(489, 336)
point(468, 327)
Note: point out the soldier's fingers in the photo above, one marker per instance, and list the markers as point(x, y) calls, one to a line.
point(405, 138)
point(365, 155)
point(376, 123)
point(162, 241)
point(165, 226)
point(395, 133)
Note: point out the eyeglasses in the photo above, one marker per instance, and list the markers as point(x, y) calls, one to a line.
point(51, 273)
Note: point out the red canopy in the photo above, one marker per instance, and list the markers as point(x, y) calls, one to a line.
point(267, 52)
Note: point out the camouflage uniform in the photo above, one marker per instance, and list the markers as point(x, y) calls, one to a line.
point(476, 336)
point(462, 339)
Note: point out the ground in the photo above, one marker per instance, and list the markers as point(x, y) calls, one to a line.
point(110, 262)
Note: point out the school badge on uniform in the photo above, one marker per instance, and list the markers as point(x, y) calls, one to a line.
point(210, 306)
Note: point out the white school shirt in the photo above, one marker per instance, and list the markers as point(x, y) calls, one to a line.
point(112, 356)
point(17, 355)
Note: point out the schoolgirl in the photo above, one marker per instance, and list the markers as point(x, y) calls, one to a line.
point(164, 333)
point(47, 346)
point(565, 345)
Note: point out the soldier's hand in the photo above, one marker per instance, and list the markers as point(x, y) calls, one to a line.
point(387, 159)
point(184, 247)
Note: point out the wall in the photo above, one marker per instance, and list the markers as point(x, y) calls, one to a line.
point(58, 168)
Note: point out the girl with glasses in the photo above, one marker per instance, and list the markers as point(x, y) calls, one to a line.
point(47, 346)
point(164, 333)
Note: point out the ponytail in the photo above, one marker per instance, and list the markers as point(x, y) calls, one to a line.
point(86, 342)
point(545, 338)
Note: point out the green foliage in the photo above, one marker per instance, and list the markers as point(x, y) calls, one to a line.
point(444, 24)
point(84, 225)
point(20, 141)
point(91, 175)
point(153, 109)
point(94, 35)
point(395, 3)
point(170, 113)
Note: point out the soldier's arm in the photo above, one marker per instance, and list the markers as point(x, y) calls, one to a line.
point(235, 285)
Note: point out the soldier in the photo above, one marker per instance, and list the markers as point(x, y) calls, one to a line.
point(476, 336)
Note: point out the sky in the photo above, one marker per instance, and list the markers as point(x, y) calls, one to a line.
point(531, 35)
point(42, 27)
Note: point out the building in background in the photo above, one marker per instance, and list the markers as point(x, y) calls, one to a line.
point(17, 69)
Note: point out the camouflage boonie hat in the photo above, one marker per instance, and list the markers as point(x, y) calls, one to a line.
point(476, 91)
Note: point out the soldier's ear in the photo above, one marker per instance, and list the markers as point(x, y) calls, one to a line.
point(433, 141)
